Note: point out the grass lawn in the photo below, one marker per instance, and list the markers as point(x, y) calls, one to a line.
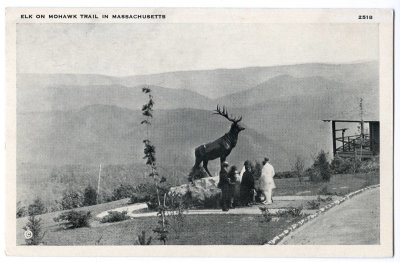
point(196, 230)
point(340, 184)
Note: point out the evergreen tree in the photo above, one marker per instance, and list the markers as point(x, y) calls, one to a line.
point(89, 196)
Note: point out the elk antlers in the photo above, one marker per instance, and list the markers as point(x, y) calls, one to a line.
point(224, 113)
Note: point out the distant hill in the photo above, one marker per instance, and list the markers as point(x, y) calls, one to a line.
point(72, 97)
point(221, 82)
point(212, 83)
point(92, 118)
point(113, 135)
point(280, 87)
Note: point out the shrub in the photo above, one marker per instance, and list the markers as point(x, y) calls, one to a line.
point(355, 165)
point(123, 191)
point(298, 168)
point(142, 239)
point(341, 165)
point(71, 199)
point(266, 214)
point(163, 190)
point(89, 196)
point(34, 225)
point(296, 212)
point(291, 212)
point(370, 166)
point(139, 198)
point(320, 170)
point(115, 216)
point(313, 204)
point(322, 166)
point(21, 210)
point(313, 174)
point(143, 193)
point(177, 206)
point(36, 208)
point(74, 219)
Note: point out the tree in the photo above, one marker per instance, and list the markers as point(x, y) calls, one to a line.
point(89, 196)
point(33, 231)
point(322, 165)
point(71, 199)
point(37, 207)
point(150, 156)
point(298, 167)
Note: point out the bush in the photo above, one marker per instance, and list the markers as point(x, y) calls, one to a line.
point(322, 166)
point(123, 191)
point(115, 216)
point(313, 204)
point(298, 168)
point(74, 219)
point(291, 212)
point(21, 210)
point(355, 165)
point(177, 206)
point(143, 193)
point(139, 198)
point(163, 190)
point(320, 170)
point(313, 174)
point(142, 240)
point(89, 196)
point(370, 166)
point(36, 208)
point(341, 165)
point(71, 199)
point(266, 214)
point(34, 225)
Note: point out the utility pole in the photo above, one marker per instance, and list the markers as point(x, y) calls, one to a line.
point(98, 186)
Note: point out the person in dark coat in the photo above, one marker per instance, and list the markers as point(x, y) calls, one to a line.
point(233, 179)
point(247, 187)
point(224, 184)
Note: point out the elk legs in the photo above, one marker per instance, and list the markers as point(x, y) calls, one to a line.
point(205, 163)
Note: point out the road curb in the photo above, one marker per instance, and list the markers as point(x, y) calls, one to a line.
point(322, 210)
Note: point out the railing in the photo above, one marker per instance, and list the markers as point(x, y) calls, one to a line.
point(353, 143)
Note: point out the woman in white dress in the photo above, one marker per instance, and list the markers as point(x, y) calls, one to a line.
point(266, 182)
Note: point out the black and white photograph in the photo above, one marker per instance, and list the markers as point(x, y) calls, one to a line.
point(220, 128)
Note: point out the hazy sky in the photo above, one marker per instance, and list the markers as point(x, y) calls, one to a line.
point(131, 49)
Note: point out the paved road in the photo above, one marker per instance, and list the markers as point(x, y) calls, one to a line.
point(354, 222)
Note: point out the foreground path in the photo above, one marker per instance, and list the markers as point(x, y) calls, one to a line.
point(280, 203)
point(354, 222)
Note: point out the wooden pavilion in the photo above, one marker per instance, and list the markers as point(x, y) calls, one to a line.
point(364, 145)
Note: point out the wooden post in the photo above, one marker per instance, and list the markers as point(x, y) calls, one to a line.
point(334, 137)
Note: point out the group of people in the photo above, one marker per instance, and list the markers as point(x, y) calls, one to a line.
point(241, 189)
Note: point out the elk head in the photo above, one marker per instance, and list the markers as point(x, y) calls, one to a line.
point(235, 127)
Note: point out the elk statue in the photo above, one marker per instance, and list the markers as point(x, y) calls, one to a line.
point(222, 147)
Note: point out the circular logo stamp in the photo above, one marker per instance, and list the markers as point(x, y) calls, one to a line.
point(28, 234)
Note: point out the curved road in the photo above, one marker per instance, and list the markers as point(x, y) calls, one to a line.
point(354, 222)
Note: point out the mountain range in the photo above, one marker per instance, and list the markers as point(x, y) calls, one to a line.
point(88, 119)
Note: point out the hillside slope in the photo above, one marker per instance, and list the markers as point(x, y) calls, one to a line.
point(74, 97)
point(109, 134)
